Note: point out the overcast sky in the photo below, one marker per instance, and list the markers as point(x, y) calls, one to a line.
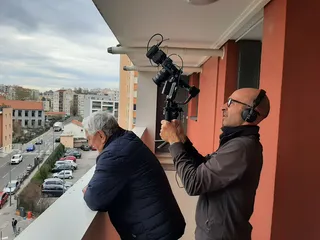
point(50, 44)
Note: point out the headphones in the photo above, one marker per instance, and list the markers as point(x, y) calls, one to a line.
point(250, 114)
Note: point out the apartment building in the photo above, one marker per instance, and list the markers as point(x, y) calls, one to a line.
point(46, 105)
point(128, 95)
point(5, 130)
point(67, 101)
point(30, 114)
point(58, 101)
point(78, 104)
point(94, 103)
point(62, 101)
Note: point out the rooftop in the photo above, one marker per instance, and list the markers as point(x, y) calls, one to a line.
point(22, 105)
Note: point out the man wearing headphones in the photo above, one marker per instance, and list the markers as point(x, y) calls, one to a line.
point(226, 180)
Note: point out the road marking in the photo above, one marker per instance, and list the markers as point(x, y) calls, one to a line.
point(13, 168)
point(5, 175)
point(3, 165)
point(4, 238)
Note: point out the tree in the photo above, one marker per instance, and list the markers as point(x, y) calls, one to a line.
point(22, 93)
point(17, 129)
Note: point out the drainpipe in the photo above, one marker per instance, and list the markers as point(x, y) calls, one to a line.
point(186, 70)
point(169, 50)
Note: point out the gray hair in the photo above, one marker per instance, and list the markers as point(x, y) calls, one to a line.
point(100, 121)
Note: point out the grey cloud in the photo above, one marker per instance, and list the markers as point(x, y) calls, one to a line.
point(56, 43)
point(64, 16)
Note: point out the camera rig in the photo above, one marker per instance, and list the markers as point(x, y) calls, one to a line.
point(170, 77)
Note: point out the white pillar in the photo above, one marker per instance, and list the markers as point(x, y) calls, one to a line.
point(147, 107)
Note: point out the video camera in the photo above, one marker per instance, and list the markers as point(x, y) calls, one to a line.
point(170, 76)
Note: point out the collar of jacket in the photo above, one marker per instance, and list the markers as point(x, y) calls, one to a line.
point(229, 133)
point(119, 132)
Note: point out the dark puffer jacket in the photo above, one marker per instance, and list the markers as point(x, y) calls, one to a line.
point(130, 184)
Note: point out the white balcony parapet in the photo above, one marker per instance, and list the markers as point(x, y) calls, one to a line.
point(68, 218)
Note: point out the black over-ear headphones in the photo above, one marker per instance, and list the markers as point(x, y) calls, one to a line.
point(250, 114)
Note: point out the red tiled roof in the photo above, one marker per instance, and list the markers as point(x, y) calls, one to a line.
point(22, 105)
point(76, 122)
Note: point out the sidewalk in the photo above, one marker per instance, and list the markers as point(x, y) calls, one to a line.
point(6, 215)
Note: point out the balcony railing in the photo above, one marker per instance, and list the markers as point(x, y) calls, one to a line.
point(69, 218)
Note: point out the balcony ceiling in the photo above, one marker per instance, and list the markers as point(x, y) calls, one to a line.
point(186, 25)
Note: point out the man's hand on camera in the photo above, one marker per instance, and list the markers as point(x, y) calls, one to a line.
point(169, 132)
point(182, 136)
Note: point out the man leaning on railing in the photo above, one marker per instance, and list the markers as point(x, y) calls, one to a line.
point(130, 184)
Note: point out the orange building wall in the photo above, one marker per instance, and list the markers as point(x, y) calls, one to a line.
point(217, 80)
point(123, 88)
point(6, 128)
point(1, 130)
point(288, 199)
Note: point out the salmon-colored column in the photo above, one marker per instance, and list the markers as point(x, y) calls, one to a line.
point(217, 81)
point(227, 83)
point(287, 206)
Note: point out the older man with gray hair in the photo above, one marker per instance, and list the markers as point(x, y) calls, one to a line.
point(130, 184)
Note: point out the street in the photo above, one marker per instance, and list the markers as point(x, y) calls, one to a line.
point(87, 161)
point(28, 158)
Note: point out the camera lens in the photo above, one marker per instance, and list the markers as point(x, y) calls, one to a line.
point(161, 76)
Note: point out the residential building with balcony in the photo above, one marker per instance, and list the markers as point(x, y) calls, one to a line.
point(78, 104)
point(94, 103)
point(62, 101)
point(226, 45)
point(128, 95)
point(6, 126)
point(58, 101)
point(29, 114)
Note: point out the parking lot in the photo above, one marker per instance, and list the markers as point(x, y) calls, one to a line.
point(86, 162)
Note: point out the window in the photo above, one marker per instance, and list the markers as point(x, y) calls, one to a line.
point(96, 104)
point(26, 113)
point(14, 112)
point(194, 80)
point(134, 107)
point(39, 122)
point(39, 113)
point(26, 122)
point(19, 113)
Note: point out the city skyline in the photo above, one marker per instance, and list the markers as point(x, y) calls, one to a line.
point(46, 45)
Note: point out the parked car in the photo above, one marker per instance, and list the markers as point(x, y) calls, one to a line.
point(61, 167)
point(72, 163)
point(31, 148)
point(75, 153)
point(73, 158)
point(39, 142)
point(54, 191)
point(47, 183)
point(63, 174)
point(12, 187)
point(85, 147)
point(16, 159)
point(3, 198)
